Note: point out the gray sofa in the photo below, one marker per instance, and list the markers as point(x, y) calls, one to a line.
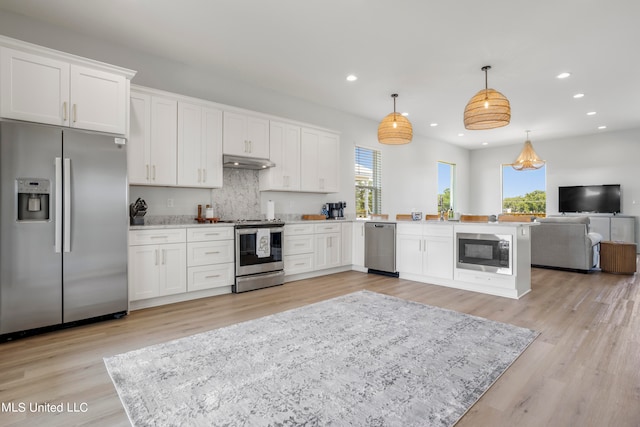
point(566, 243)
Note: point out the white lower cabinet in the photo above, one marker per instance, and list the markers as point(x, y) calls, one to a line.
point(328, 245)
point(347, 243)
point(328, 250)
point(174, 262)
point(425, 250)
point(317, 246)
point(210, 258)
point(298, 248)
point(157, 270)
point(357, 245)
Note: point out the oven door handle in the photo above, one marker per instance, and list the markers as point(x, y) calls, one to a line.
point(255, 230)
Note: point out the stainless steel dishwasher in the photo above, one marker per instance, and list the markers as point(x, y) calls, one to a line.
point(380, 248)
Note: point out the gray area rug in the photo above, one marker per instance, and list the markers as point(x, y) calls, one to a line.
point(363, 359)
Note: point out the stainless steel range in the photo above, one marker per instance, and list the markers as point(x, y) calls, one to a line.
point(259, 262)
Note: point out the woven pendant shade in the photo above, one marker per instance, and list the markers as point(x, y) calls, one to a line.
point(488, 109)
point(528, 158)
point(401, 133)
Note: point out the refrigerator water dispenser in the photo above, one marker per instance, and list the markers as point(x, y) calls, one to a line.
point(33, 199)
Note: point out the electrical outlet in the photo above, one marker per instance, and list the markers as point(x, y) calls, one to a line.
point(169, 203)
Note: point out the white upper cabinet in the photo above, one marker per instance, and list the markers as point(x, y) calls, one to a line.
point(319, 161)
point(151, 151)
point(52, 90)
point(98, 100)
point(164, 129)
point(34, 88)
point(284, 149)
point(139, 144)
point(199, 146)
point(174, 140)
point(245, 135)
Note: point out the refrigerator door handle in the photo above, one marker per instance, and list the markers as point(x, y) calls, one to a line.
point(58, 209)
point(67, 205)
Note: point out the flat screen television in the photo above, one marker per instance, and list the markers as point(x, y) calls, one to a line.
point(589, 198)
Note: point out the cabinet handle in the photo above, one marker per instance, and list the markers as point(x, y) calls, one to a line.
point(147, 172)
point(75, 113)
point(212, 234)
point(64, 111)
point(246, 146)
point(250, 146)
point(211, 277)
point(164, 256)
point(199, 176)
point(299, 263)
point(159, 237)
point(299, 244)
point(156, 257)
point(204, 175)
point(154, 172)
point(212, 253)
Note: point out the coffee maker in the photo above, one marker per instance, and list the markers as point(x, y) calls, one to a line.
point(336, 210)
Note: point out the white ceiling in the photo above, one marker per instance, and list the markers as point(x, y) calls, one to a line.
point(429, 52)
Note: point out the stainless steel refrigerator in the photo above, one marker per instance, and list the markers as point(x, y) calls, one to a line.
point(63, 227)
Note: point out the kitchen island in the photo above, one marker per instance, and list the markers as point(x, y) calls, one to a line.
point(492, 258)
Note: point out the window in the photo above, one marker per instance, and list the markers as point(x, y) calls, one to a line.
point(446, 185)
point(368, 183)
point(524, 192)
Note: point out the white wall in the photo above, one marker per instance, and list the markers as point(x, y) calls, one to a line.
point(605, 158)
point(409, 172)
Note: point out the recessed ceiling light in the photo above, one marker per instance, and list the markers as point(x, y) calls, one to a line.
point(591, 113)
point(352, 78)
point(433, 125)
point(563, 75)
point(405, 114)
point(485, 143)
point(461, 134)
point(578, 95)
point(602, 127)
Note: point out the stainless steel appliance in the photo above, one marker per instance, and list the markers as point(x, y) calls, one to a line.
point(336, 210)
point(259, 262)
point(63, 227)
point(380, 248)
point(485, 252)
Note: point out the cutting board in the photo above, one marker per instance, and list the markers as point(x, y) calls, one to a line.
point(312, 217)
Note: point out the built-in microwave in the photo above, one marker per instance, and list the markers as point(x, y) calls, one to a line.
point(485, 252)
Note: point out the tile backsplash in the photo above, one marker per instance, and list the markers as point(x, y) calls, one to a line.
point(238, 198)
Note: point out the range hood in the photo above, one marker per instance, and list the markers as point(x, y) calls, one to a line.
point(239, 162)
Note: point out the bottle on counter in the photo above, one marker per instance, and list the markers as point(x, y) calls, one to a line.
point(208, 212)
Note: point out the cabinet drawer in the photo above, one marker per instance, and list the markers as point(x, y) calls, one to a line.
point(328, 228)
point(409, 229)
point(209, 233)
point(483, 278)
point(444, 230)
point(298, 244)
point(214, 252)
point(294, 264)
point(210, 276)
point(153, 237)
point(295, 229)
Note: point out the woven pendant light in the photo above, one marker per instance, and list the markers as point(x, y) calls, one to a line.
point(488, 109)
point(528, 159)
point(395, 129)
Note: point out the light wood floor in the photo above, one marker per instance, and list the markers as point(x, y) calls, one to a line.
point(583, 370)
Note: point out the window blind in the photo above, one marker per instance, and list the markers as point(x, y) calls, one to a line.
point(368, 182)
